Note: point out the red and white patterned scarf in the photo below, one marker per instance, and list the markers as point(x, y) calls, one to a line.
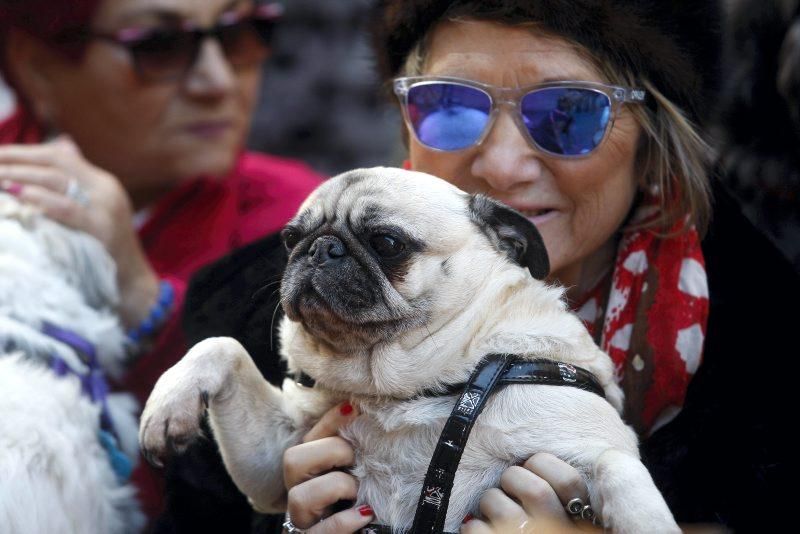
point(657, 302)
point(654, 325)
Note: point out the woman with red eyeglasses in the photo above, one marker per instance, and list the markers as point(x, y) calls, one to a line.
point(129, 124)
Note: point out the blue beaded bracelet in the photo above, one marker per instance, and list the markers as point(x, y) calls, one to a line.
point(157, 316)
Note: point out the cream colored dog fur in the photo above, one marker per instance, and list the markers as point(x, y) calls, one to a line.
point(379, 333)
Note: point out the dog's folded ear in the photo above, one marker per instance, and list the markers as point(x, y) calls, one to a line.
point(512, 233)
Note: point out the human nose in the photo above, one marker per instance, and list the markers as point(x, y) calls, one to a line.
point(211, 74)
point(505, 160)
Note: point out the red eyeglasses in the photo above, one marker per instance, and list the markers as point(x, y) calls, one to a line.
point(166, 54)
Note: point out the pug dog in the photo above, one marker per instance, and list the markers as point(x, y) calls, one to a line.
point(396, 287)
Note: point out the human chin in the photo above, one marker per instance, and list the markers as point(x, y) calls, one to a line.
point(209, 155)
point(214, 161)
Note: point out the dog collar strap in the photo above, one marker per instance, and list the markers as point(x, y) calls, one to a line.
point(545, 372)
point(435, 495)
point(493, 371)
point(305, 380)
point(548, 372)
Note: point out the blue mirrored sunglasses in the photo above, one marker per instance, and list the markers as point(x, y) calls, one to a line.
point(563, 119)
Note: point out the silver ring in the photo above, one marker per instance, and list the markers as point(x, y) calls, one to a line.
point(289, 527)
point(575, 506)
point(75, 192)
point(588, 514)
point(577, 509)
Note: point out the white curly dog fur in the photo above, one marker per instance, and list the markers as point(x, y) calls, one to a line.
point(55, 477)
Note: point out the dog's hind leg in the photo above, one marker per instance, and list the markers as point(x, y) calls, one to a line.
point(626, 498)
point(253, 421)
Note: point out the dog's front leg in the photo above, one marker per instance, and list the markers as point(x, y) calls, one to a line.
point(625, 492)
point(252, 422)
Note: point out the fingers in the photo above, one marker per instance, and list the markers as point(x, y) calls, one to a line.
point(36, 154)
point(309, 501)
point(331, 422)
point(535, 494)
point(55, 205)
point(350, 520)
point(307, 460)
point(564, 479)
point(52, 165)
point(322, 449)
point(497, 507)
point(476, 526)
point(25, 174)
point(532, 495)
point(41, 175)
point(502, 513)
point(53, 153)
point(311, 494)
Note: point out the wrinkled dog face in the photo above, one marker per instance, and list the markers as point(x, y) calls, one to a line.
point(353, 247)
point(376, 254)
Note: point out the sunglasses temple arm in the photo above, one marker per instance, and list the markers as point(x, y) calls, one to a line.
point(635, 95)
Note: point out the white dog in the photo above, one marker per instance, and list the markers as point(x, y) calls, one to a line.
point(57, 292)
point(397, 286)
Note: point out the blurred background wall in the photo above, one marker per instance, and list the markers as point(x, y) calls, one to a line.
point(320, 98)
point(758, 124)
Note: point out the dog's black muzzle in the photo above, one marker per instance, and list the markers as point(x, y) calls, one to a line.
point(327, 251)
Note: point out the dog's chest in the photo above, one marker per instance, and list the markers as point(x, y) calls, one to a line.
point(393, 451)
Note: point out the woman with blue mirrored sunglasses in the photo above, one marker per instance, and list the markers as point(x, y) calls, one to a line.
point(584, 116)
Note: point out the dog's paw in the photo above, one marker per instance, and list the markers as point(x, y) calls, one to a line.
point(171, 420)
point(173, 415)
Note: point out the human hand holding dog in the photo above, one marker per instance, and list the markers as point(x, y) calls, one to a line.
point(532, 498)
point(42, 175)
point(314, 483)
point(531, 495)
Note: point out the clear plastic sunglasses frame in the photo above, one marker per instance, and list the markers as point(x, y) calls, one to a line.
point(512, 97)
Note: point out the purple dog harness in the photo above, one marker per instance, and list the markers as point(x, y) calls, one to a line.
point(95, 388)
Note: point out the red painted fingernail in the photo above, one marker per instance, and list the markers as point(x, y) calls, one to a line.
point(468, 518)
point(346, 408)
point(365, 510)
point(12, 188)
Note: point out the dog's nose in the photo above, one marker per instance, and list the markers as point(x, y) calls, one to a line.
point(327, 249)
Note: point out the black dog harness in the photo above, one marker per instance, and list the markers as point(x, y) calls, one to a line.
point(494, 372)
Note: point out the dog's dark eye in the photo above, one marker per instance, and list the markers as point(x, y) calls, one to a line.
point(386, 246)
point(290, 236)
